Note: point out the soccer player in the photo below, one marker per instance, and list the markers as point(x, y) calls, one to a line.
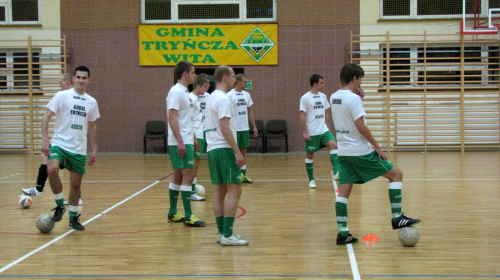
point(224, 157)
point(182, 144)
point(65, 82)
point(242, 102)
point(313, 120)
point(198, 96)
point(360, 156)
point(77, 113)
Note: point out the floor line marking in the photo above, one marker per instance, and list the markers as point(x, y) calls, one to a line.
point(72, 230)
point(350, 249)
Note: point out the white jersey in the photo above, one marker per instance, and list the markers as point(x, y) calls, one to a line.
point(202, 99)
point(241, 102)
point(197, 116)
point(218, 106)
point(347, 107)
point(315, 105)
point(73, 112)
point(178, 99)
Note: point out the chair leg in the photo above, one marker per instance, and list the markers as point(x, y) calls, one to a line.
point(286, 143)
point(144, 146)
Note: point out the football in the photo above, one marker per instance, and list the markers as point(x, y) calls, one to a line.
point(24, 200)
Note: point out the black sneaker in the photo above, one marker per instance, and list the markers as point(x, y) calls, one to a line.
point(76, 224)
point(342, 240)
point(403, 221)
point(58, 213)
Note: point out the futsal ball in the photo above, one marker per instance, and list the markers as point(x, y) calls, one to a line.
point(24, 200)
point(200, 190)
point(44, 223)
point(409, 236)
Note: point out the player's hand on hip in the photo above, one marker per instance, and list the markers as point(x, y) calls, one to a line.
point(381, 155)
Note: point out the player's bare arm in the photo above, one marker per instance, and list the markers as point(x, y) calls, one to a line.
point(45, 131)
point(92, 126)
point(305, 132)
point(228, 136)
point(251, 118)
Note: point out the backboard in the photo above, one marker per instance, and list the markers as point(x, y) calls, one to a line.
point(485, 19)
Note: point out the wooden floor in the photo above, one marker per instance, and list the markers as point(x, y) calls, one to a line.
point(291, 229)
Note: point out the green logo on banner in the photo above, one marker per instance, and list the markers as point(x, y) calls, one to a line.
point(257, 44)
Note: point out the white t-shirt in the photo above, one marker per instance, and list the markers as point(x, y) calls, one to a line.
point(241, 102)
point(197, 116)
point(73, 112)
point(347, 107)
point(202, 100)
point(178, 99)
point(218, 106)
point(315, 105)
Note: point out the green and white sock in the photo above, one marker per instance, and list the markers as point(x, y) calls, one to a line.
point(186, 201)
point(227, 230)
point(59, 198)
point(341, 213)
point(395, 197)
point(173, 194)
point(334, 160)
point(73, 212)
point(310, 169)
point(244, 169)
point(220, 223)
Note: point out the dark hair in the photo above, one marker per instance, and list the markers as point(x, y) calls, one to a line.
point(239, 77)
point(181, 67)
point(82, 69)
point(349, 71)
point(201, 80)
point(220, 72)
point(315, 79)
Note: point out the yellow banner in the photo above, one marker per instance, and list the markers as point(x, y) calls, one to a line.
point(249, 44)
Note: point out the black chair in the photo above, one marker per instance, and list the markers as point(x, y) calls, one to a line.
point(156, 130)
point(262, 134)
point(277, 129)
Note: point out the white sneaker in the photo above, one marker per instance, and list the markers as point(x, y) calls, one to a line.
point(233, 241)
point(335, 176)
point(312, 184)
point(197, 197)
point(32, 192)
point(219, 235)
point(80, 202)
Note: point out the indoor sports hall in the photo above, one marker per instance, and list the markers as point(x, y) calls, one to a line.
point(432, 101)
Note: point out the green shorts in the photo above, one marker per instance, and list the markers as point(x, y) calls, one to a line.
point(243, 139)
point(361, 169)
point(318, 142)
point(202, 149)
point(70, 161)
point(223, 167)
point(187, 161)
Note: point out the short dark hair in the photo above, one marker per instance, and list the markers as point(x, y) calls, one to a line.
point(82, 69)
point(315, 79)
point(220, 72)
point(239, 77)
point(349, 71)
point(201, 80)
point(181, 67)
